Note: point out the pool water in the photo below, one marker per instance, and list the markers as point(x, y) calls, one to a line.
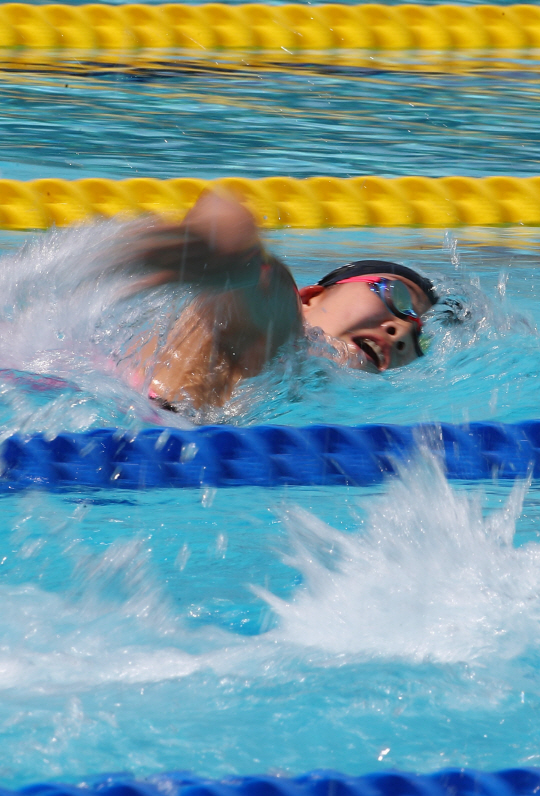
point(101, 120)
point(483, 363)
point(242, 631)
point(270, 631)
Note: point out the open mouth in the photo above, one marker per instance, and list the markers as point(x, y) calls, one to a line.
point(372, 350)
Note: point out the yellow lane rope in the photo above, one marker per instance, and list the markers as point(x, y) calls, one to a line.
point(282, 201)
point(284, 28)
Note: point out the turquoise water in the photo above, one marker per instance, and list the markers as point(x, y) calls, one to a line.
point(187, 119)
point(483, 364)
point(249, 631)
point(235, 632)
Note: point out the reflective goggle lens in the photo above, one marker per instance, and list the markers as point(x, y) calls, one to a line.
point(400, 297)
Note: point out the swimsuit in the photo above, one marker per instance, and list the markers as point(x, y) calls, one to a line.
point(162, 403)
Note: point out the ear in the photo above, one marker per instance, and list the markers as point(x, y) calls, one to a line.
point(308, 294)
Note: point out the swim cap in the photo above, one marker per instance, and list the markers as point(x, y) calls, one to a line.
point(364, 267)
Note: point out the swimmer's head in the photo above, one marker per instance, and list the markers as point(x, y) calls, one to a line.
point(378, 318)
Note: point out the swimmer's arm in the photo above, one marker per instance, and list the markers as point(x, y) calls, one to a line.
point(247, 306)
point(216, 246)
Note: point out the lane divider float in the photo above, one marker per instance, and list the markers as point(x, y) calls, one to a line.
point(447, 782)
point(255, 26)
point(282, 201)
point(264, 456)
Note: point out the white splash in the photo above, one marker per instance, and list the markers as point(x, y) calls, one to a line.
point(64, 311)
point(429, 577)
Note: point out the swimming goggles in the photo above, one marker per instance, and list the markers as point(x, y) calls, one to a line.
point(396, 297)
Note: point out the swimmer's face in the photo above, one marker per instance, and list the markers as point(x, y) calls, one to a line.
point(355, 315)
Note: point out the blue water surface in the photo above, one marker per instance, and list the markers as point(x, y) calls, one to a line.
point(237, 116)
point(250, 631)
point(483, 363)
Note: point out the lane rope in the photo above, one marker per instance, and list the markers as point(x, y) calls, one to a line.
point(282, 201)
point(447, 782)
point(255, 26)
point(265, 456)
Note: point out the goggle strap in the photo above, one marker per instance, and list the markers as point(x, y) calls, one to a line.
point(366, 278)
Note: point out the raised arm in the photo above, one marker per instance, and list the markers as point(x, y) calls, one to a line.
point(216, 246)
point(247, 308)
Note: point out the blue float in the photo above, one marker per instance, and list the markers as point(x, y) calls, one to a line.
point(224, 456)
point(449, 782)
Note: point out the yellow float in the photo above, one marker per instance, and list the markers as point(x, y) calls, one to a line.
point(317, 202)
point(290, 27)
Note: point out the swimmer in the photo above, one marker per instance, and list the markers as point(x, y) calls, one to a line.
point(248, 306)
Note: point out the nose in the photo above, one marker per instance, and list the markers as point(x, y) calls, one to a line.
point(399, 334)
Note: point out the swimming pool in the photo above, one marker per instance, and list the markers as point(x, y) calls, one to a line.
point(249, 630)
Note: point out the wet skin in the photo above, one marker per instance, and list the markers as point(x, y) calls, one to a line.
point(356, 316)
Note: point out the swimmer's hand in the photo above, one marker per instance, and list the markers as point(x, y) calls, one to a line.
point(216, 246)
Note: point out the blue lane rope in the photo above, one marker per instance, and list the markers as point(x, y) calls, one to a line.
point(449, 782)
point(223, 456)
